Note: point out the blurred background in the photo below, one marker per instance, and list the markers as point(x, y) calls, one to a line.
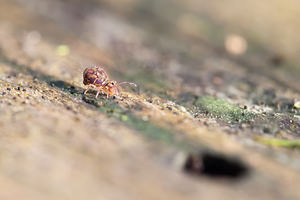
point(257, 35)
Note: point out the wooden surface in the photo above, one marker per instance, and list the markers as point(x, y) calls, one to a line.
point(194, 99)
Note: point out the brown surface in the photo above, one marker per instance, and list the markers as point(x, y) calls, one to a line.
point(57, 144)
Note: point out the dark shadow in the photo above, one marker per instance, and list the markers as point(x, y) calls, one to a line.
point(215, 165)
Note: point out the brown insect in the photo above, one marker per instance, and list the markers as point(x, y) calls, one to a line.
point(96, 77)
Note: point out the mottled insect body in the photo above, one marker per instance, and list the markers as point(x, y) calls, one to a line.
point(96, 77)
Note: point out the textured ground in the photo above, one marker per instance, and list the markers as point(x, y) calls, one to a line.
point(203, 123)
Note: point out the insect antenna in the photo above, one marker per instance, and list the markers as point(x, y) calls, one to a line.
point(125, 82)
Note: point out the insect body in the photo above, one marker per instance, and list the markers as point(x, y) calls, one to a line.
point(96, 77)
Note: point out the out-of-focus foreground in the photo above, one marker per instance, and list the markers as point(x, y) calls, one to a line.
point(216, 114)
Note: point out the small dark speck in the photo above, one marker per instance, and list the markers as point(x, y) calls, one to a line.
point(43, 97)
point(114, 97)
point(14, 98)
point(24, 90)
point(69, 108)
point(266, 130)
point(9, 89)
point(18, 88)
point(277, 60)
point(245, 107)
point(175, 113)
point(243, 114)
point(72, 87)
point(3, 93)
point(169, 107)
point(23, 102)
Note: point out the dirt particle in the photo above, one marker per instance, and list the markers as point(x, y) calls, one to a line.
point(9, 89)
point(277, 60)
point(266, 130)
point(3, 93)
point(144, 118)
point(19, 88)
point(297, 105)
point(284, 104)
point(217, 80)
point(24, 90)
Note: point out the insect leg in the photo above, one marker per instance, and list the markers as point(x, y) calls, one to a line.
point(87, 89)
point(98, 92)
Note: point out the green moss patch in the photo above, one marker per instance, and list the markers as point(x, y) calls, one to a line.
point(279, 142)
point(222, 109)
point(146, 128)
